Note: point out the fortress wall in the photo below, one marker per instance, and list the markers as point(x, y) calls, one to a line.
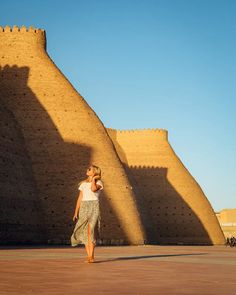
point(177, 206)
point(20, 213)
point(56, 135)
point(227, 220)
point(62, 136)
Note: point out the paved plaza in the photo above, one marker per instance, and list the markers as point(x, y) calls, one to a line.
point(118, 270)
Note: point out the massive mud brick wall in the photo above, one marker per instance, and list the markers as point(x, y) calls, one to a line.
point(178, 210)
point(21, 217)
point(49, 136)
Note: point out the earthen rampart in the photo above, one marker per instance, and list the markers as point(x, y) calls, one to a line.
point(54, 135)
point(62, 136)
point(173, 200)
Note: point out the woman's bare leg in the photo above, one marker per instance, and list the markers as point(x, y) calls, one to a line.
point(87, 247)
point(87, 250)
point(92, 250)
point(90, 244)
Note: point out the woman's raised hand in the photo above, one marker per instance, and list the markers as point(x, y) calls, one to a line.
point(96, 177)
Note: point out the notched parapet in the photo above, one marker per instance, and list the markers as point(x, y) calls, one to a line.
point(154, 132)
point(146, 167)
point(23, 29)
point(16, 38)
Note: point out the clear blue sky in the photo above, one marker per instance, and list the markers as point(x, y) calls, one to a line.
point(152, 64)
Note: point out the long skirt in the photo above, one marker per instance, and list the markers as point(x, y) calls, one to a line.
point(89, 213)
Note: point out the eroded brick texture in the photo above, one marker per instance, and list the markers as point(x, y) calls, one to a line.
point(177, 208)
point(49, 136)
point(62, 136)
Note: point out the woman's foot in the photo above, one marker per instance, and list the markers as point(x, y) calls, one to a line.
point(87, 260)
point(91, 260)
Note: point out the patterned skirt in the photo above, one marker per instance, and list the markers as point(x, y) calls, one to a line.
point(89, 213)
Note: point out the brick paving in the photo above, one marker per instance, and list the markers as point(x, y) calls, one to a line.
point(118, 270)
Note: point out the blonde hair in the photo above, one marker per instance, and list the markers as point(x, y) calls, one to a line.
point(97, 171)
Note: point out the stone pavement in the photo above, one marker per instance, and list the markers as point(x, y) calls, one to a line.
point(118, 270)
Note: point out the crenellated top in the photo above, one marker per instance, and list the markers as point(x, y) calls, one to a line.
point(138, 130)
point(154, 132)
point(148, 167)
point(23, 29)
point(19, 37)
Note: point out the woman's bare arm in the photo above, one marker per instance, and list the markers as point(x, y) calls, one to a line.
point(95, 187)
point(78, 205)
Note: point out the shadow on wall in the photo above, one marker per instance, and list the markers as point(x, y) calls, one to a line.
point(47, 168)
point(18, 192)
point(171, 219)
point(111, 231)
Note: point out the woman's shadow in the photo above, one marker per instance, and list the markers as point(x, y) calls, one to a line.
point(148, 257)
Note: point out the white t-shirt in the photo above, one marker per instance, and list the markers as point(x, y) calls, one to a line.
point(88, 194)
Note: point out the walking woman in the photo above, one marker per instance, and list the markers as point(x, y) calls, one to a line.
point(87, 207)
